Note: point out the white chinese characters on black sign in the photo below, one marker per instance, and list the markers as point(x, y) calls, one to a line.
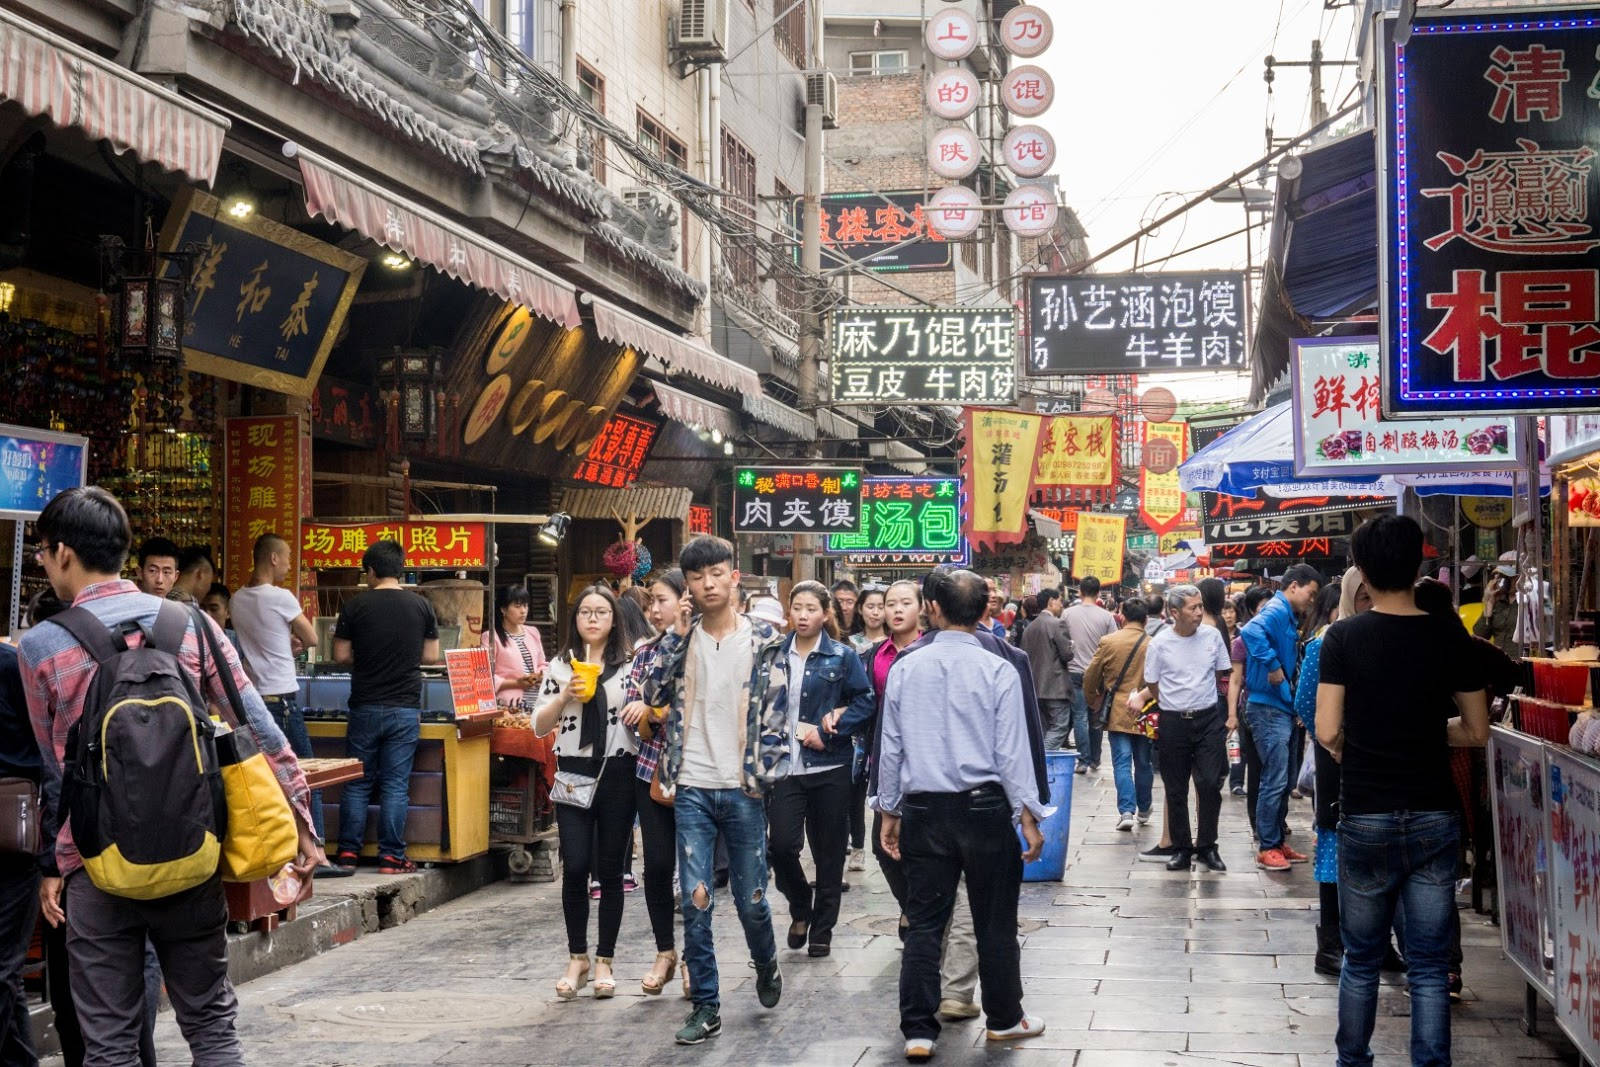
point(941, 356)
point(1126, 323)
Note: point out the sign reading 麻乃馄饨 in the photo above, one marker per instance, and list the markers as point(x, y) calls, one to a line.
point(923, 356)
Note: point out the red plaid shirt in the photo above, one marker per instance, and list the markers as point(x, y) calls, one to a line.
point(57, 672)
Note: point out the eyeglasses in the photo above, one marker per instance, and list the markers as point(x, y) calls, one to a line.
point(594, 613)
point(39, 552)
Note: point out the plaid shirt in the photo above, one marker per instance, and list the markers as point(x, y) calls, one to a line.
point(57, 672)
point(633, 689)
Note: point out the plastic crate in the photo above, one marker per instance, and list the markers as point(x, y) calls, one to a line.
point(512, 814)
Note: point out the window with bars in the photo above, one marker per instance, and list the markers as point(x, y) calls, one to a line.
point(655, 139)
point(871, 64)
point(739, 182)
point(790, 31)
point(592, 87)
point(783, 245)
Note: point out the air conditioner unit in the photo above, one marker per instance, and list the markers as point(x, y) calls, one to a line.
point(823, 88)
point(703, 30)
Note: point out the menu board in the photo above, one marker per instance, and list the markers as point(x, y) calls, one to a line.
point(471, 681)
point(1522, 833)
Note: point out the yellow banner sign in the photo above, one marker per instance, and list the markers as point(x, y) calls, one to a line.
point(1098, 551)
point(1170, 541)
point(1160, 499)
point(1078, 450)
point(1000, 453)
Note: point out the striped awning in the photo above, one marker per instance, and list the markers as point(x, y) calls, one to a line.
point(641, 501)
point(777, 414)
point(349, 200)
point(71, 86)
point(682, 354)
point(692, 410)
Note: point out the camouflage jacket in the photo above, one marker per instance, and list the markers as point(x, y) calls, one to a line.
point(765, 732)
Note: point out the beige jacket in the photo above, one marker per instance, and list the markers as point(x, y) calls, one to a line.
point(1103, 671)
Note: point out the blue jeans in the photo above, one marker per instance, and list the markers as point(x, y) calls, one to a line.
point(384, 739)
point(1400, 861)
point(285, 711)
point(1271, 728)
point(701, 814)
point(1085, 737)
point(1130, 762)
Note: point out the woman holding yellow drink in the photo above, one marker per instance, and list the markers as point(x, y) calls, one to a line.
point(582, 699)
point(668, 600)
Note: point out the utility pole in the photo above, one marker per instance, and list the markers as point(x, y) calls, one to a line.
point(805, 552)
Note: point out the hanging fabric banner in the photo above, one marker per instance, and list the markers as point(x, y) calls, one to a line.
point(1078, 450)
point(1098, 551)
point(1160, 498)
point(998, 465)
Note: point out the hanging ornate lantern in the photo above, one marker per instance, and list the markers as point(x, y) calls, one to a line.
point(410, 380)
point(147, 290)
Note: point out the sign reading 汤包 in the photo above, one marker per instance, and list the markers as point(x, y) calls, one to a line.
point(35, 465)
point(1488, 215)
point(878, 231)
point(917, 356)
point(1131, 323)
point(797, 499)
point(906, 520)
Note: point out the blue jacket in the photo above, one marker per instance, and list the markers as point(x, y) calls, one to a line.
point(835, 678)
point(1271, 643)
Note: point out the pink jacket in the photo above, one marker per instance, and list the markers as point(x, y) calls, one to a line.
point(508, 665)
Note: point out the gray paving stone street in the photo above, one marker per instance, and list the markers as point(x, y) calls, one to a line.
point(1129, 965)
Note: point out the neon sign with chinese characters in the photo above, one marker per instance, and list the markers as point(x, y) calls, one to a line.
point(797, 500)
point(907, 520)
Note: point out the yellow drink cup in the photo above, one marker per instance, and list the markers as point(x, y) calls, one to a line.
point(588, 676)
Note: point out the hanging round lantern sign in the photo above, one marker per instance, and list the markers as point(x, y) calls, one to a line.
point(1158, 404)
point(1030, 211)
point(954, 212)
point(951, 34)
point(1028, 91)
point(953, 93)
point(1026, 30)
point(1160, 456)
point(1029, 151)
point(953, 152)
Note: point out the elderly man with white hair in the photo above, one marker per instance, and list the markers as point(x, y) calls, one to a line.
point(1181, 670)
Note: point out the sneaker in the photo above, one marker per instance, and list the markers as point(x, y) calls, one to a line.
point(1238, 791)
point(629, 882)
point(858, 860)
point(1030, 1026)
point(919, 1049)
point(594, 889)
point(1159, 854)
point(1082, 768)
point(1292, 856)
point(1125, 821)
point(1455, 988)
point(1272, 860)
point(703, 1023)
point(1144, 817)
point(769, 983)
point(953, 1011)
point(395, 865)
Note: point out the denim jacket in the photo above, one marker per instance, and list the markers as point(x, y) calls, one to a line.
point(1272, 643)
point(835, 678)
point(766, 729)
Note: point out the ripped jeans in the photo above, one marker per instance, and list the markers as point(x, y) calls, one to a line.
point(742, 820)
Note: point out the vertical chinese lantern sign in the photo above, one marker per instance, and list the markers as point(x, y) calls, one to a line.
point(267, 489)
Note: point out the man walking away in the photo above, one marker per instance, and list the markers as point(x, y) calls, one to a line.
point(1272, 645)
point(724, 680)
point(1049, 649)
point(1398, 688)
point(385, 635)
point(955, 774)
point(1117, 670)
point(1087, 624)
point(1180, 672)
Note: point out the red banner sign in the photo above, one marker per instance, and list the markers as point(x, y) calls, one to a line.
point(430, 545)
point(266, 490)
point(618, 452)
point(702, 520)
point(471, 681)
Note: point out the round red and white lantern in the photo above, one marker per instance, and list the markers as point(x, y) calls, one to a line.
point(1026, 31)
point(1028, 91)
point(954, 212)
point(953, 93)
point(953, 152)
point(1029, 150)
point(1030, 211)
point(951, 34)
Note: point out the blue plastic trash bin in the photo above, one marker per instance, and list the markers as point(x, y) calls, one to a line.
point(1052, 861)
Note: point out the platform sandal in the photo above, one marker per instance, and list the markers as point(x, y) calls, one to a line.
point(604, 988)
point(566, 987)
point(654, 983)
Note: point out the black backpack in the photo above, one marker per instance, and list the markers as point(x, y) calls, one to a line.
point(142, 785)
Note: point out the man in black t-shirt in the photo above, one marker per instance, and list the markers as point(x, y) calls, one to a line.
point(385, 635)
point(1398, 688)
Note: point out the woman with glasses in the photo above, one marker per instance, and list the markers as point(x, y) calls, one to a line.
point(582, 699)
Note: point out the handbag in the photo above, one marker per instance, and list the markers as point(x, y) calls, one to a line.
point(574, 789)
point(260, 838)
point(1148, 721)
point(1106, 702)
point(19, 816)
point(658, 792)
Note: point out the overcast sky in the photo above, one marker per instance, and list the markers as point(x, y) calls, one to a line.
point(1160, 97)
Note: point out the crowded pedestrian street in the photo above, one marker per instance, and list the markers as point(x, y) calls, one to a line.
point(1129, 966)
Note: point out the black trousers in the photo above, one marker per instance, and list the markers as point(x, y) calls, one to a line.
point(659, 832)
point(942, 837)
point(596, 840)
point(810, 808)
point(894, 871)
point(1193, 747)
point(858, 812)
point(19, 908)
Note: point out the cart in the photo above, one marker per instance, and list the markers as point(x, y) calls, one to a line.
point(520, 813)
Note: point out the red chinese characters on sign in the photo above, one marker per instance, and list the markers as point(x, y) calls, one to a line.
point(428, 545)
point(889, 224)
point(264, 458)
point(618, 452)
point(702, 520)
point(1530, 321)
point(1527, 83)
point(1531, 201)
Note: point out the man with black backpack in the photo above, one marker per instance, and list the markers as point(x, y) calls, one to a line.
point(118, 685)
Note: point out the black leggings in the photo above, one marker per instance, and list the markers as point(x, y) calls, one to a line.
point(858, 812)
point(659, 831)
point(597, 840)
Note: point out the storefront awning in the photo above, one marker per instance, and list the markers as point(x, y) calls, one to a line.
point(71, 86)
point(682, 354)
point(781, 416)
point(642, 502)
point(691, 410)
point(350, 200)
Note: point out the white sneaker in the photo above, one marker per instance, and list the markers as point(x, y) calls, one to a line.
point(1126, 821)
point(858, 860)
point(1030, 1026)
point(919, 1049)
point(1144, 818)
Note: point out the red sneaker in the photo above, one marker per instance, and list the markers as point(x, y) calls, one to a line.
point(1272, 860)
point(1292, 856)
point(395, 865)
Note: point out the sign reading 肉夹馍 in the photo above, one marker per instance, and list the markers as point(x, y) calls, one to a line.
point(914, 356)
point(906, 519)
point(790, 500)
point(1131, 323)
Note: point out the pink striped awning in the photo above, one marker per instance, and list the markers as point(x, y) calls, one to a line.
point(71, 86)
point(350, 200)
point(683, 354)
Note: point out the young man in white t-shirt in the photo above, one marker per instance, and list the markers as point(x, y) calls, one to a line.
point(267, 619)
